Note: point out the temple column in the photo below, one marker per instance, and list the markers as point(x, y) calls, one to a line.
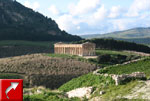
point(58, 49)
point(61, 50)
point(64, 50)
point(75, 50)
point(79, 51)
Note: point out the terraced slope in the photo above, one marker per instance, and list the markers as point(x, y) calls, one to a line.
point(38, 69)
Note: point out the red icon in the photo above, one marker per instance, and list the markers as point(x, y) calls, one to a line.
point(11, 90)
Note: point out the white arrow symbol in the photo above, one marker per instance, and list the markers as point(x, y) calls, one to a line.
point(13, 86)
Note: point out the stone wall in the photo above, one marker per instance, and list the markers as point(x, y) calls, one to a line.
point(120, 78)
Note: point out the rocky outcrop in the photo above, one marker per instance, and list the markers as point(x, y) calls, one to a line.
point(120, 78)
point(136, 75)
point(80, 92)
point(141, 91)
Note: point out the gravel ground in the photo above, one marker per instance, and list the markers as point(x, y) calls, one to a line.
point(140, 92)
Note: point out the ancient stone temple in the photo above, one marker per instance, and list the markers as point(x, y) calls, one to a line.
point(85, 49)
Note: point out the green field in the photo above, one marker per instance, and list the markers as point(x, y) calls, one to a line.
point(113, 52)
point(139, 66)
point(11, 48)
point(26, 43)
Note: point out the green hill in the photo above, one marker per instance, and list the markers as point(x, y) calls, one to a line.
point(106, 84)
point(138, 35)
point(20, 23)
point(131, 33)
point(140, 66)
point(111, 44)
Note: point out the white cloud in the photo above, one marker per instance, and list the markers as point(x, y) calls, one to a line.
point(119, 24)
point(65, 22)
point(86, 12)
point(83, 7)
point(53, 10)
point(78, 27)
point(100, 13)
point(90, 16)
point(137, 7)
point(115, 11)
point(34, 5)
point(27, 4)
point(97, 17)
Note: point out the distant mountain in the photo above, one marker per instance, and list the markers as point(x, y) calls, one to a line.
point(20, 23)
point(138, 35)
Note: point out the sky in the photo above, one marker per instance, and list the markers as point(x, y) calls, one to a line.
point(81, 17)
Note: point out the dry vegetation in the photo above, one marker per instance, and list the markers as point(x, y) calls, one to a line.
point(39, 69)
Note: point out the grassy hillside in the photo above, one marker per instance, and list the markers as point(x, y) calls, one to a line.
point(86, 81)
point(101, 83)
point(140, 66)
point(106, 84)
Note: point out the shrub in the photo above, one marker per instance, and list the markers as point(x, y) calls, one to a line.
point(104, 58)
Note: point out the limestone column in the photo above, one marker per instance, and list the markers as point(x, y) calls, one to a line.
point(58, 50)
point(55, 49)
point(80, 51)
point(61, 50)
point(75, 51)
